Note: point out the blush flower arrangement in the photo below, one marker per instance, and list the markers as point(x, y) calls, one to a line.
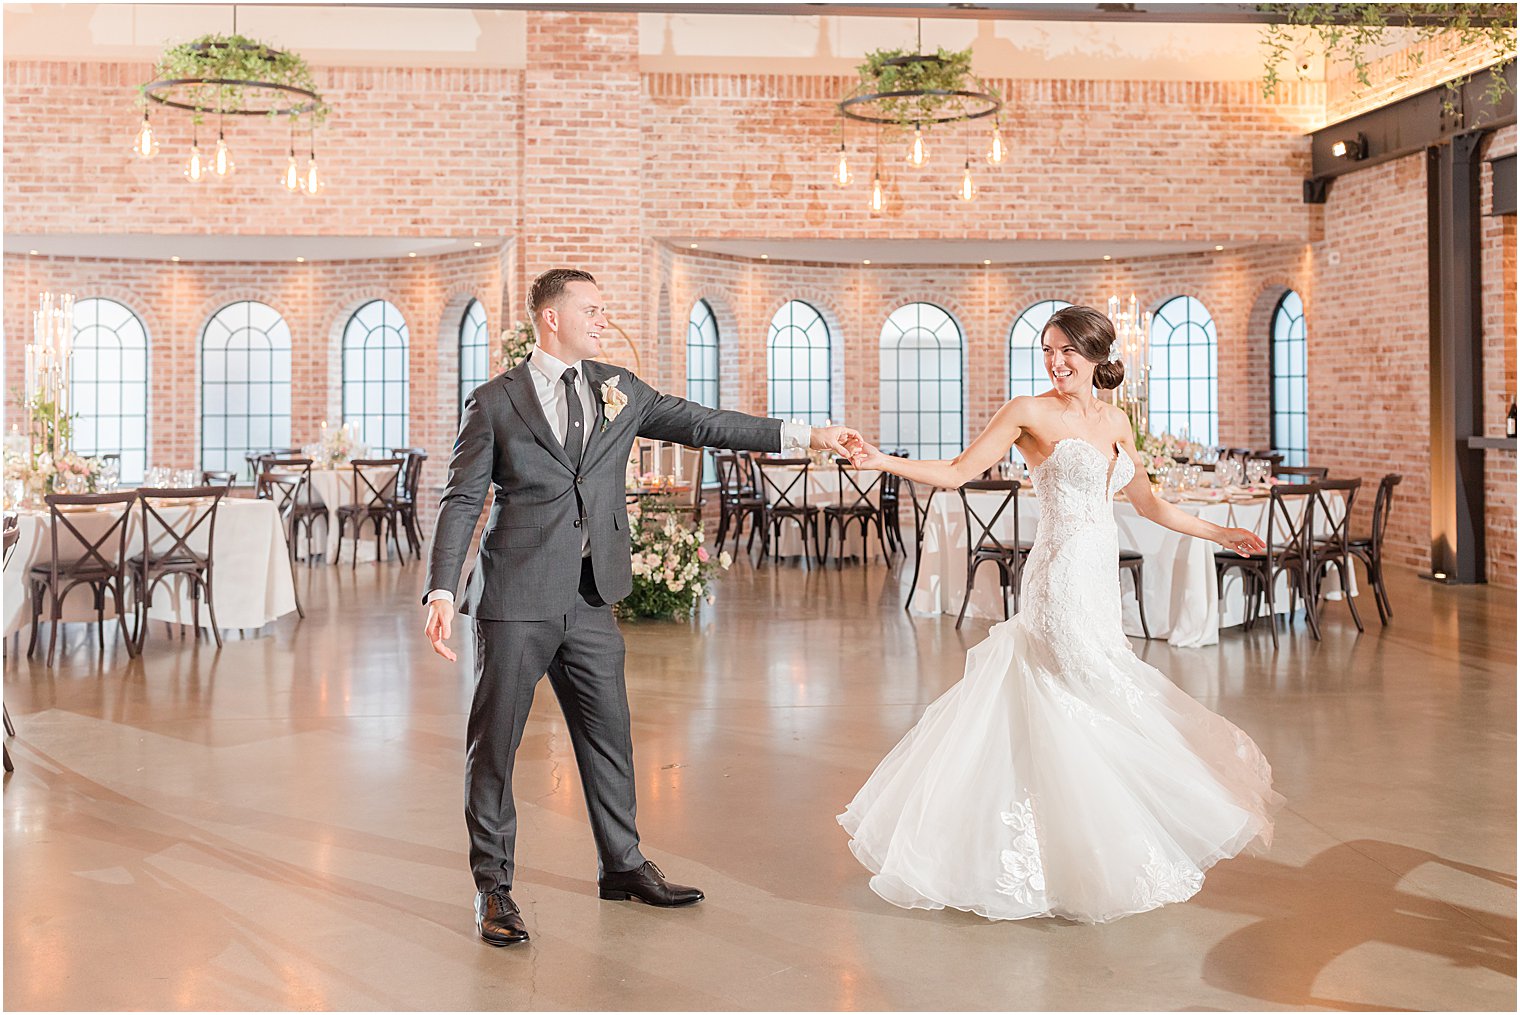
point(672, 569)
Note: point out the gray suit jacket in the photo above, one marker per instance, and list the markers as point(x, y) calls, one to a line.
point(530, 555)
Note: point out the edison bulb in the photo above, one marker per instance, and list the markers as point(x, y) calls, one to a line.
point(312, 183)
point(842, 171)
point(878, 199)
point(221, 162)
point(968, 188)
point(145, 145)
point(195, 169)
point(292, 179)
point(996, 150)
point(919, 153)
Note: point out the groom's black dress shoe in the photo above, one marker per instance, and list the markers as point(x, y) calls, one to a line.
point(498, 919)
point(648, 885)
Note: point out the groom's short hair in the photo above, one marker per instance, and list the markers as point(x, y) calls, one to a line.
point(550, 286)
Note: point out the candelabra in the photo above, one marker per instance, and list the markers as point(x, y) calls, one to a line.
point(1133, 329)
point(48, 358)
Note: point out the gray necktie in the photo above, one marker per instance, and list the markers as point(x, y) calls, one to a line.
point(575, 432)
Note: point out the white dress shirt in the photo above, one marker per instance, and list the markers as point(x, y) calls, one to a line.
point(548, 373)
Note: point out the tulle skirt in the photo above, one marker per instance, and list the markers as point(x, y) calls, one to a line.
point(1036, 787)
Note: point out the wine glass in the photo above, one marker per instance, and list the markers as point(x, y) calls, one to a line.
point(110, 474)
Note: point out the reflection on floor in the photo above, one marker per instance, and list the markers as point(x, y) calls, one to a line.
point(280, 825)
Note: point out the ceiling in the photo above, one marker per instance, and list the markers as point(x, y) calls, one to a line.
point(241, 248)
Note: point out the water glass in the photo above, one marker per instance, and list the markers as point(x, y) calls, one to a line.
point(110, 474)
point(184, 479)
point(15, 493)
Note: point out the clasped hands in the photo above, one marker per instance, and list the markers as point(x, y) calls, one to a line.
point(846, 442)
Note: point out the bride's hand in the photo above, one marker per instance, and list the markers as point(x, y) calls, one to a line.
point(1242, 541)
point(868, 456)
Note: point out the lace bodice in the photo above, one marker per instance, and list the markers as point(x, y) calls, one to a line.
point(1070, 588)
point(1076, 483)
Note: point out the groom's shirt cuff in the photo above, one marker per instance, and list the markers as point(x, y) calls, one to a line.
point(443, 594)
point(796, 437)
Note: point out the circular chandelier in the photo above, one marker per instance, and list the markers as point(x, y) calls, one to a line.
point(916, 91)
point(231, 75)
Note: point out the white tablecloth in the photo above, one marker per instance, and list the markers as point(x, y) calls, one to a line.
point(823, 490)
point(1182, 602)
point(335, 487)
point(252, 577)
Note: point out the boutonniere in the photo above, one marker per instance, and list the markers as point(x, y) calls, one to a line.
point(613, 401)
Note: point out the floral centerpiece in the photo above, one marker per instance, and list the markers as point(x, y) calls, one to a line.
point(516, 343)
point(41, 474)
point(672, 570)
point(1159, 452)
point(336, 447)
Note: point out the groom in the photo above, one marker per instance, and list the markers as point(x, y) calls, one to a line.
point(552, 436)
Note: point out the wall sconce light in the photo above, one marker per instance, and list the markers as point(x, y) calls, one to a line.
point(1352, 148)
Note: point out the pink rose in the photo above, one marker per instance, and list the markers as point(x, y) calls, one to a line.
point(702, 554)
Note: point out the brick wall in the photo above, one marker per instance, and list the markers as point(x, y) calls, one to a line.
point(174, 302)
point(583, 159)
point(1239, 288)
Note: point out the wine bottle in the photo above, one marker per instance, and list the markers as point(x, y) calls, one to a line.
point(1509, 421)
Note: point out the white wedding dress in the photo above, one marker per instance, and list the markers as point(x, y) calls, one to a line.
point(1061, 776)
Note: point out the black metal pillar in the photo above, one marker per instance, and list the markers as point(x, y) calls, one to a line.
point(1456, 360)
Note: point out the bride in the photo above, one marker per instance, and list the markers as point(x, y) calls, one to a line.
point(1062, 776)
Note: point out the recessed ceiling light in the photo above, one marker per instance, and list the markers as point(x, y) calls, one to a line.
point(31, 251)
point(477, 243)
point(411, 253)
point(986, 261)
point(1219, 246)
point(1108, 257)
point(866, 261)
point(300, 260)
point(174, 258)
point(693, 246)
point(765, 257)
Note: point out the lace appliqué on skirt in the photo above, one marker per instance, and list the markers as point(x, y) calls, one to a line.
point(1023, 873)
point(1160, 882)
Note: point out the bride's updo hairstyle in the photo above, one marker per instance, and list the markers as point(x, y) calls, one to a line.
point(1093, 335)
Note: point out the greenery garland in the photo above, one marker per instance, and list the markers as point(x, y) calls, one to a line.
point(232, 58)
point(1347, 31)
point(948, 72)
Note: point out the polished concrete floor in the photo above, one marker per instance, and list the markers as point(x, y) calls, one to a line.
point(278, 825)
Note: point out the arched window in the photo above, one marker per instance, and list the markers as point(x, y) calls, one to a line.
point(245, 384)
point(474, 351)
point(922, 382)
point(375, 372)
point(109, 384)
point(702, 355)
point(1290, 380)
point(1184, 382)
point(1026, 362)
point(799, 355)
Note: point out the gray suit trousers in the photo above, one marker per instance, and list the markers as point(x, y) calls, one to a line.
point(582, 653)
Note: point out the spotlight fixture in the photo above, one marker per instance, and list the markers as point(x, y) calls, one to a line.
point(300, 260)
point(1108, 257)
point(174, 258)
point(477, 243)
point(411, 253)
point(866, 261)
point(765, 257)
point(32, 252)
point(1353, 149)
point(986, 260)
point(1219, 246)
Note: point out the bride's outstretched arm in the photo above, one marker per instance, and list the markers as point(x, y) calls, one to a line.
point(1242, 541)
point(988, 448)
